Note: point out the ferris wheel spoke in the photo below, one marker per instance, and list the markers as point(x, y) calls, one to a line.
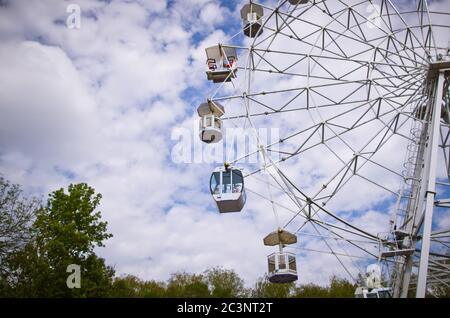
point(324, 140)
point(410, 78)
point(341, 220)
point(274, 202)
point(327, 252)
point(356, 168)
point(306, 108)
point(302, 56)
point(355, 125)
point(341, 183)
point(376, 184)
point(337, 237)
point(327, 226)
point(335, 254)
point(262, 58)
point(399, 16)
point(410, 87)
point(360, 64)
point(391, 35)
point(274, 34)
point(279, 187)
point(423, 14)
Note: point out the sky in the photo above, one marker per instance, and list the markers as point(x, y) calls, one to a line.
point(100, 104)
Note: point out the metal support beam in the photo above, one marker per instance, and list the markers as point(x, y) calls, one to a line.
point(443, 203)
point(402, 281)
point(407, 277)
point(431, 187)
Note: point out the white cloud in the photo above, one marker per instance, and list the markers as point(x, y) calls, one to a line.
point(212, 14)
point(44, 99)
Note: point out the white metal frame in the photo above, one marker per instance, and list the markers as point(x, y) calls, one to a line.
point(394, 85)
point(286, 255)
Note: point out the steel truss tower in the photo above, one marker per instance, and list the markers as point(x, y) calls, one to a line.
point(412, 236)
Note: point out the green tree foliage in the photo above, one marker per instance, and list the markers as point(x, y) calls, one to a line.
point(341, 288)
point(126, 287)
point(338, 288)
point(187, 285)
point(131, 286)
point(265, 289)
point(16, 217)
point(66, 232)
point(27, 274)
point(215, 282)
point(69, 225)
point(225, 283)
point(311, 291)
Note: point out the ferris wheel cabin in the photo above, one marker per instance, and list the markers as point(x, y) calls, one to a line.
point(210, 125)
point(227, 189)
point(251, 15)
point(282, 268)
point(363, 292)
point(282, 265)
point(221, 63)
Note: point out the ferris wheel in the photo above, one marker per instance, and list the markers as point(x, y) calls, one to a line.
point(360, 93)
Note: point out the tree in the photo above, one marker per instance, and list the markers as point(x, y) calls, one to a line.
point(66, 232)
point(311, 291)
point(69, 225)
point(152, 289)
point(265, 289)
point(125, 287)
point(341, 288)
point(16, 217)
point(225, 283)
point(188, 286)
point(214, 282)
point(27, 273)
point(130, 286)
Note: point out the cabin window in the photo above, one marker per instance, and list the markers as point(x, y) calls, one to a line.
point(384, 294)
point(215, 182)
point(228, 62)
point(212, 64)
point(281, 261)
point(226, 181)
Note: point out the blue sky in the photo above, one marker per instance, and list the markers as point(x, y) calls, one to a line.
point(99, 104)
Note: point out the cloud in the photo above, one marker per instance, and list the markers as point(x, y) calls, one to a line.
point(212, 14)
point(44, 99)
